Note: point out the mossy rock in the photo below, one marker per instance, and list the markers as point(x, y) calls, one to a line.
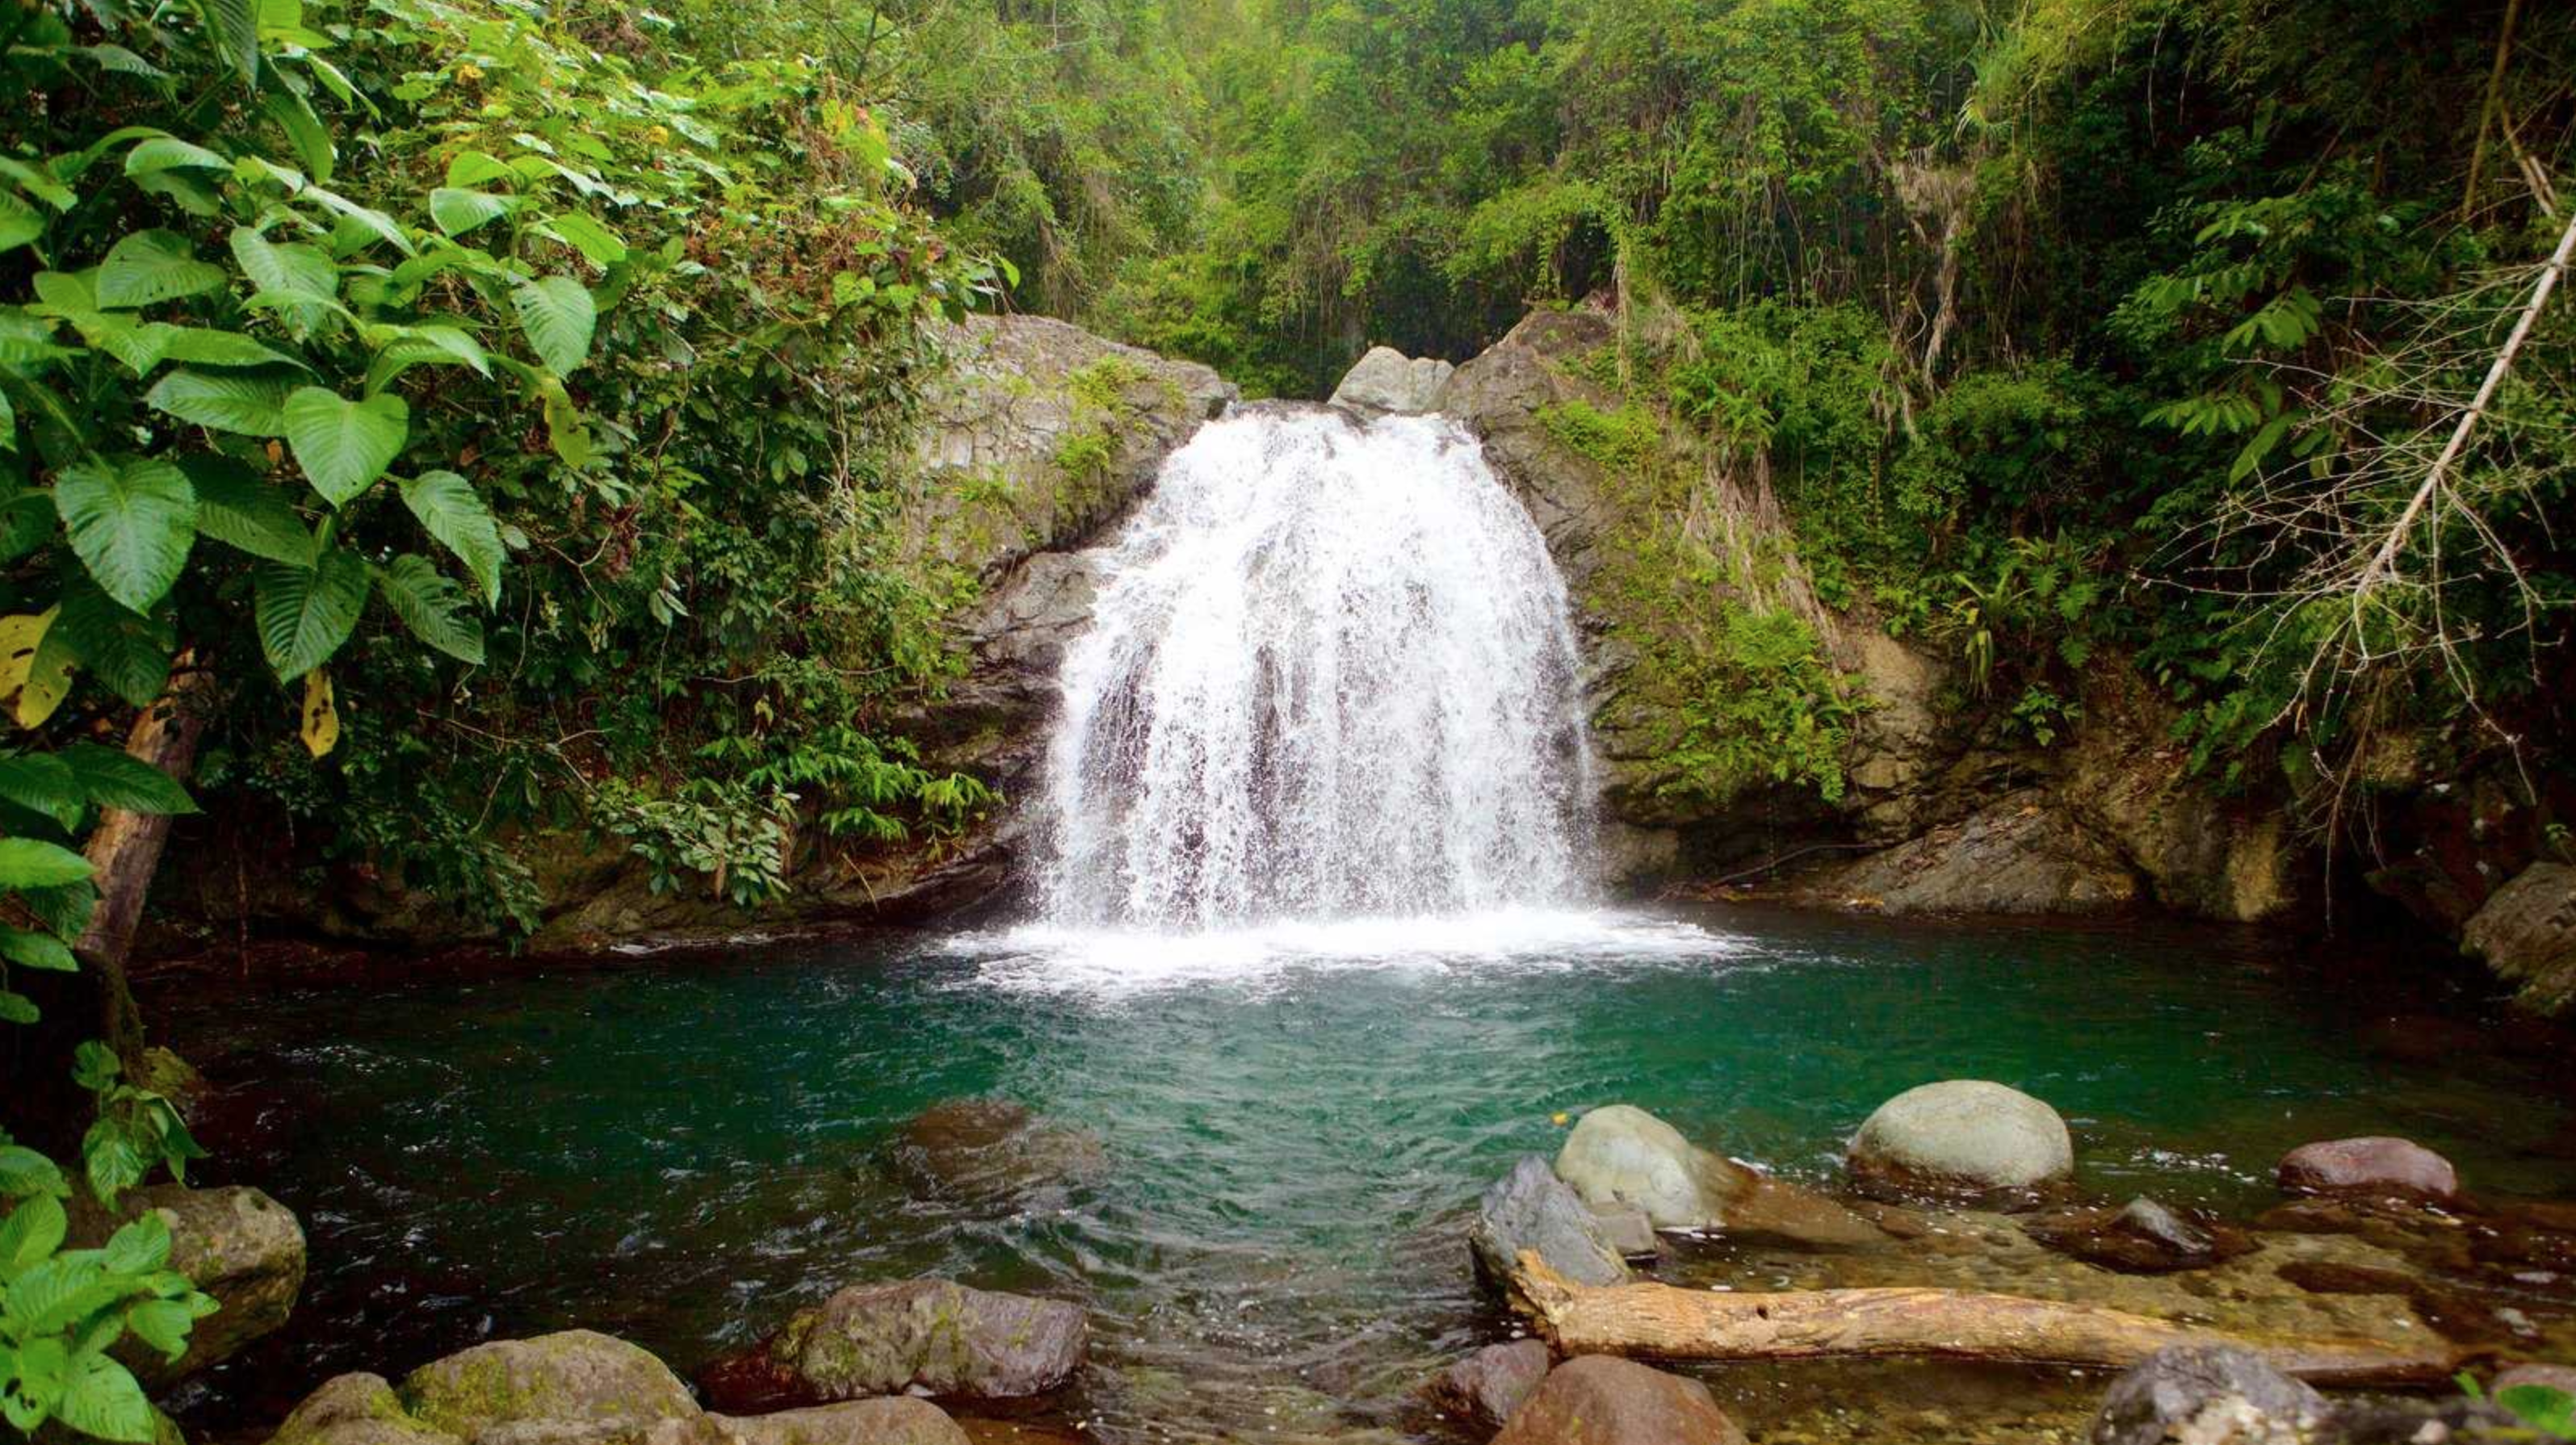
point(576, 1377)
point(356, 1409)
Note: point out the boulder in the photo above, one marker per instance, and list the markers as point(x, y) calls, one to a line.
point(1386, 380)
point(1964, 1137)
point(1484, 1389)
point(575, 1384)
point(983, 1150)
point(1628, 1230)
point(2207, 1396)
point(357, 1409)
point(895, 1420)
point(1604, 1400)
point(1621, 1156)
point(235, 1243)
point(2526, 932)
point(1531, 1209)
point(925, 1336)
point(2373, 1167)
point(2140, 1237)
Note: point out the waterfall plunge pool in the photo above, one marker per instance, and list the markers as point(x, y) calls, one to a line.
point(1292, 1127)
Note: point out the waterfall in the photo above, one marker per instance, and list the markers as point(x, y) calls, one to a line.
point(1330, 674)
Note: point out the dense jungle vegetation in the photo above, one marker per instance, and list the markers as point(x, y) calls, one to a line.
point(441, 419)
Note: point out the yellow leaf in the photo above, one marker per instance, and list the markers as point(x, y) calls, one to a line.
point(321, 717)
point(39, 693)
point(1558, 1118)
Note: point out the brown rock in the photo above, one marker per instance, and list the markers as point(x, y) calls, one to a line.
point(1602, 1400)
point(2374, 1166)
point(924, 1336)
point(2142, 1237)
point(895, 1420)
point(1486, 1387)
point(2546, 1377)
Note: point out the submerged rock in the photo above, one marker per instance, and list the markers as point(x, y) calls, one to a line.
point(1619, 1156)
point(1531, 1209)
point(1484, 1389)
point(923, 1336)
point(2376, 1167)
point(1602, 1400)
point(580, 1384)
point(1386, 380)
point(2140, 1237)
point(1962, 1136)
point(1628, 1230)
point(235, 1243)
point(991, 1149)
point(2207, 1396)
point(896, 1420)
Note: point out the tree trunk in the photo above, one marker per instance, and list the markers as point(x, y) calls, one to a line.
point(1664, 1322)
point(125, 850)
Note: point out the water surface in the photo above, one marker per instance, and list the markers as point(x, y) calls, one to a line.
point(680, 1150)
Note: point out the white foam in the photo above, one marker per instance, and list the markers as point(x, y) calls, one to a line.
point(1057, 959)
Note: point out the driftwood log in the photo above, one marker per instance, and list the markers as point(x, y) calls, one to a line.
point(1665, 1322)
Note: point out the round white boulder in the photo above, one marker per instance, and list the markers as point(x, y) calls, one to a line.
point(1621, 1155)
point(1964, 1133)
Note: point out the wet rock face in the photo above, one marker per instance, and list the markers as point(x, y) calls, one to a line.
point(1531, 1209)
point(2021, 855)
point(2375, 1167)
point(2207, 1396)
point(1387, 381)
point(235, 1243)
point(1962, 1137)
point(1484, 1389)
point(1600, 1400)
point(924, 1336)
point(991, 1150)
point(2526, 932)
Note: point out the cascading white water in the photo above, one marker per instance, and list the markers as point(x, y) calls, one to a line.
point(1330, 674)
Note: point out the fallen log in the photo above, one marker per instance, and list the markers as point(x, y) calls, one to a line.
point(1662, 1321)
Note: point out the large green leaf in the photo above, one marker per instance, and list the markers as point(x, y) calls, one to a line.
point(436, 610)
point(44, 783)
point(33, 863)
point(366, 220)
point(20, 223)
point(450, 511)
point(112, 778)
point(304, 130)
point(473, 168)
point(240, 509)
point(578, 230)
point(132, 524)
point(203, 346)
point(126, 650)
point(248, 405)
point(37, 950)
point(305, 613)
point(458, 211)
point(233, 27)
point(104, 1400)
point(344, 445)
point(558, 316)
point(168, 152)
point(284, 266)
point(152, 266)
